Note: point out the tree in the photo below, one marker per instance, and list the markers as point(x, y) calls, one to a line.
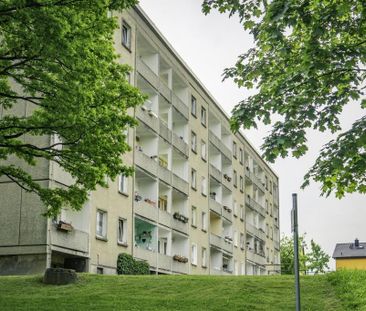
point(313, 260)
point(287, 255)
point(308, 63)
point(57, 57)
point(317, 259)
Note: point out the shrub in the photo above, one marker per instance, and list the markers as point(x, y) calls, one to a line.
point(126, 264)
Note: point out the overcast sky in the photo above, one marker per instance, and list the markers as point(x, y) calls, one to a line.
point(208, 44)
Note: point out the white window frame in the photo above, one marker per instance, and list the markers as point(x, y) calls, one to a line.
point(204, 257)
point(193, 106)
point(194, 142)
point(101, 224)
point(203, 150)
point(204, 186)
point(194, 216)
point(194, 254)
point(203, 116)
point(193, 178)
point(123, 184)
point(126, 32)
point(204, 221)
point(122, 240)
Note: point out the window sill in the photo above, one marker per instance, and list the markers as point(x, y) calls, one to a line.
point(194, 115)
point(204, 266)
point(127, 47)
point(194, 151)
point(194, 264)
point(205, 195)
point(124, 244)
point(194, 226)
point(194, 188)
point(204, 125)
point(204, 230)
point(101, 238)
point(203, 159)
point(123, 193)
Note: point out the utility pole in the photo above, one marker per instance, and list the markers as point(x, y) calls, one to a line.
point(295, 227)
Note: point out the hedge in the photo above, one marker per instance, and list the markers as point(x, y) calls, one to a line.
point(126, 264)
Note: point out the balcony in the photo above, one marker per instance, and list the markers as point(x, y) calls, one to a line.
point(180, 144)
point(253, 178)
point(255, 206)
point(227, 213)
point(165, 218)
point(256, 258)
point(148, 117)
point(165, 91)
point(146, 210)
point(164, 131)
point(227, 246)
point(145, 71)
point(255, 231)
point(146, 255)
point(228, 184)
point(215, 173)
point(165, 175)
point(179, 225)
point(276, 245)
point(219, 145)
point(216, 241)
point(180, 267)
point(180, 184)
point(181, 107)
point(164, 262)
point(146, 163)
point(75, 239)
point(215, 207)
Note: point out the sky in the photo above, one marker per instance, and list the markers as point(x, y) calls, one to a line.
point(209, 44)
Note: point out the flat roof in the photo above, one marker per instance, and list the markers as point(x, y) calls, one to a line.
point(180, 60)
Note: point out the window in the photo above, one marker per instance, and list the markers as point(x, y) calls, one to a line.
point(101, 229)
point(236, 238)
point(235, 208)
point(193, 179)
point(126, 35)
point(194, 142)
point(163, 246)
point(204, 257)
point(241, 184)
point(163, 203)
point(241, 156)
point(193, 106)
point(99, 270)
point(266, 182)
point(203, 150)
point(235, 181)
point(204, 186)
point(125, 133)
point(123, 184)
point(266, 206)
point(241, 212)
point(203, 116)
point(271, 233)
point(271, 209)
point(267, 230)
point(270, 186)
point(122, 231)
point(242, 240)
point(204, 221)
point(194, 254)
point(234, 149)
point(194, 216)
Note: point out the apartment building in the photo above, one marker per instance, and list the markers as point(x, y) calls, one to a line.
point(201, 201)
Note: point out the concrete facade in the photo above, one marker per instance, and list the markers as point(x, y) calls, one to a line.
point(201, 201)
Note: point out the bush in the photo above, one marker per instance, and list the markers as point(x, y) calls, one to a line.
point(126, 264)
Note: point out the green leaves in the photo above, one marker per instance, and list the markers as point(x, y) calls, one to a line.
point(57, 63)
point(308, 64)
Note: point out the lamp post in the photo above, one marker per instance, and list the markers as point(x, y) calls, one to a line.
point(294, 227)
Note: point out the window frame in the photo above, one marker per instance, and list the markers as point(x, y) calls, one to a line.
point(203, 156)
point(127, 44)
point(104, 233)
point(194, 254)
point(194, 216)
point(124, 189)
point(194, 106)
point(193, 179)
point(122, 242)
point(194, 142)
point(203, 116)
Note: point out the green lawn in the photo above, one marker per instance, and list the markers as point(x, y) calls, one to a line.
point(94, 292)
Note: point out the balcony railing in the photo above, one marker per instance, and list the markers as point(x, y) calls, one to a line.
point(216, 240)
point(164, 262)
point(180, 106)
point(165, 90)
point(146, 210)
point(145, 71)
point(255, 206)
point(164, 131)
point(227, 212)
point(75, 239)
point(219, 145)
point(148, 117)
point(227, 246)
point(255, 231)
point(180, 184)
point(256, 258)
point(165, 174)
point(165, 218)
point(215, 173)
point(253, 178)
point(146, 163)
point(215, 206)
point(146, 255)
point(180, 144)
point(180, 267)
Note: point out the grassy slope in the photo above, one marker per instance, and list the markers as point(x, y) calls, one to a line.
point(93, 292)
